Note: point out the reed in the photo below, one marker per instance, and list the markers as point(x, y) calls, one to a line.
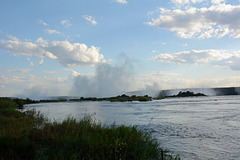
point(29, 135)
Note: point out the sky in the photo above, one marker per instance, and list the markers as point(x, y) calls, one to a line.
point(108, 47)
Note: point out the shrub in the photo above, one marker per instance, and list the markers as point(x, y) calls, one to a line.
point(29, 135)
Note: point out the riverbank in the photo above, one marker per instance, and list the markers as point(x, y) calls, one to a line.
point(29, 135)
point(120, 98)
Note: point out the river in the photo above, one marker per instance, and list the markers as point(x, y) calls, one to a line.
point(195, 128)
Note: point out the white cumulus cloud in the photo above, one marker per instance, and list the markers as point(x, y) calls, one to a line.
point(68, 54)
point(198, 57)
point(75, 54)
point(17, 47)
point(218, 20)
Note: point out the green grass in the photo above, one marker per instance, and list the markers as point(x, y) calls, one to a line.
point(29, 135)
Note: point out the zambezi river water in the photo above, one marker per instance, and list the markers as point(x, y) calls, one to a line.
point(195, 128)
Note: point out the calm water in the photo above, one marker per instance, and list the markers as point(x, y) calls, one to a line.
point(194, 128)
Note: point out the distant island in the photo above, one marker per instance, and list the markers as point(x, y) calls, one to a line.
point(183, 94)
point(119, 98)
point(222, 91)
point(122, 98)
point(188, 94)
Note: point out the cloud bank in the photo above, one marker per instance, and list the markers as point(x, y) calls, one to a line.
point(66, 53)
point(218, 20)
point(198, 57)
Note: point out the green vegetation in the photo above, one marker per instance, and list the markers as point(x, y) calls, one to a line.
point(182, 94)
point(188, 94)
point(122, 98)
point(29, 135)
point(21, 102)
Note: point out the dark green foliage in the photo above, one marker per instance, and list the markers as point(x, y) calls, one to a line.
point(29, 135)
point(86, 139)
point(7, 104)
point(16, 148)
point(14, 129)
point(188, 94)
point(182, 94)
point(19, 103)
point(122, 98)
point(22, 102)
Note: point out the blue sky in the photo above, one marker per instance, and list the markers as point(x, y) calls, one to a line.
point(108, 47)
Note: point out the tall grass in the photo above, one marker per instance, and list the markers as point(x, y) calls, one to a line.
point(15, 128)
point(29, 135)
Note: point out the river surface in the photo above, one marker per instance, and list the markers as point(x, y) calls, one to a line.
point(195, 128)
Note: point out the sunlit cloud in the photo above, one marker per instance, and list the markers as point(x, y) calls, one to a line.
point(42, 42)
point(219, 20)
point(66, 53)
point(203, 57)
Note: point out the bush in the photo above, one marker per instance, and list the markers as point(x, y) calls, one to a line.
point(7, 104)
point(29, 135)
